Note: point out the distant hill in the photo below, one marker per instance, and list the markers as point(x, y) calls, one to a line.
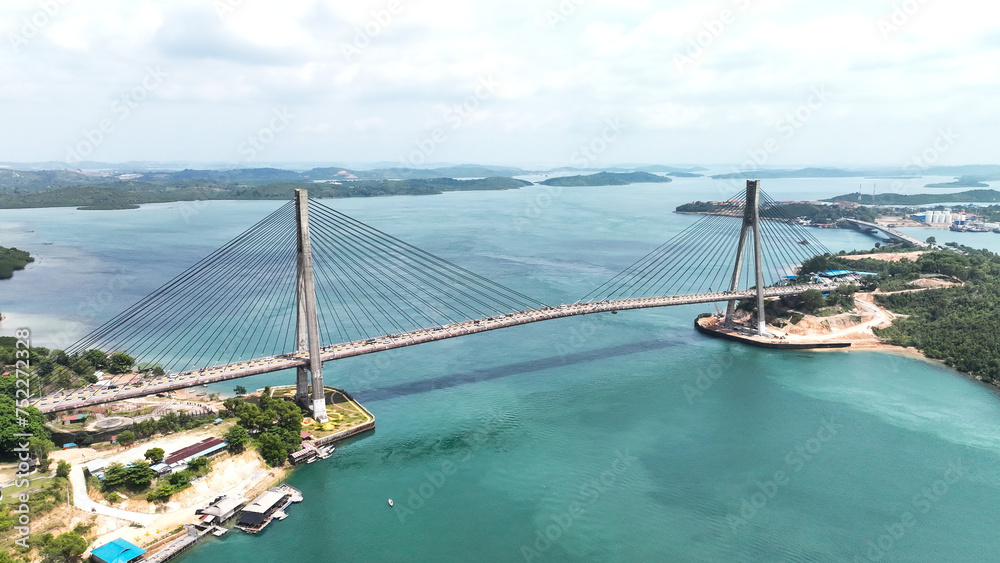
point(801, 173)
point(969, 181)
point(607, 179)
point(971, 196)
point(129, 194)
point(12, 259)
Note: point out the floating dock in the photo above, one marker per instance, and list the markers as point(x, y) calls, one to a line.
point(269, 506)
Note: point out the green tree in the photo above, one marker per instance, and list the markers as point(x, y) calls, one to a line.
point(272, 449)
point(139, 476)
point(199, 465)
point(158, 372)
point(931, 240)
point(237, 437)
point(82, 367)
point(40, 447)
point(240, 390)
point(265, 399)
point(120, 362)
point(83, 438)
point(288, 415)
point(96, 358)
point(114, 476)
point(812, 300)
point(126, 438)
point(66, 547)
point(155, 455)
point(11, 423)
point(62, 470)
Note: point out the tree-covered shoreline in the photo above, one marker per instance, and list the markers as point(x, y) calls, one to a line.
point(11, 260)
point(959, 325)
point(129, 194)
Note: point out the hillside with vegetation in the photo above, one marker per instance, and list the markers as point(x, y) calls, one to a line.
point(959, 325)
point(128, 194)
point(806, 211)
point(11, 260)
point(607, 179)
point(970, 196)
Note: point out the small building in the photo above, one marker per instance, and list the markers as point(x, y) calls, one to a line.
point(303, 456)
point(117, 551)
point(161, 469)
point(845, 275)
point(207, 447)
point(96, 467)
point(258, 513)
point(221, 509)
point(305, 435)
point(73, 418)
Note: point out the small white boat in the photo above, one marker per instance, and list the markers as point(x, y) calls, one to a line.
point(390, 502)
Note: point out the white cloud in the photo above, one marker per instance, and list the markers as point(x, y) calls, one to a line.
point(408, 61)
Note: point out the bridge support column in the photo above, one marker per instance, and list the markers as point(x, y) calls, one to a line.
point(307, 322)
point(751, 223)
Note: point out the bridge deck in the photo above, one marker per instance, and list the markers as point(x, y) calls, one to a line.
point(891, 233)
point(90, 396)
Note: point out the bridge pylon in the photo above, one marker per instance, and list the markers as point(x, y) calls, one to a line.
point(751, 224)
point(307, 321)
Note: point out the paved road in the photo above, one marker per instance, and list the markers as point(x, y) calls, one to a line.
point(129, 388)
point(83, 502)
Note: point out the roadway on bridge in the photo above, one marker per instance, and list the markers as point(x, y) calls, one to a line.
point(90, 396)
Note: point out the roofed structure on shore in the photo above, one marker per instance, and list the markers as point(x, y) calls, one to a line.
point(117, 551)
point(206, 447)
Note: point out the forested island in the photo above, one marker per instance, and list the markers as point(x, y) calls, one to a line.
point(816, 214)
point(607, 179)
point(965, 173)
point(11, 260)
point(128, 194)
point(959, 325)
point(970, 196)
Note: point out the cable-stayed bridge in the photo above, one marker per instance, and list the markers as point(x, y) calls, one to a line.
point(308, 285)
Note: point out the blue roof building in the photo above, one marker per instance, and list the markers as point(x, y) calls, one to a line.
point(838, 273)
point(117, 551)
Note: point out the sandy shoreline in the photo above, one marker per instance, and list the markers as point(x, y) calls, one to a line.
point(243, 474)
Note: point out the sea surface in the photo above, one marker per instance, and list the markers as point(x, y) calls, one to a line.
point(623, 437)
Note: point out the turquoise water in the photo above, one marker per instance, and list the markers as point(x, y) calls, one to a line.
point(622, 437)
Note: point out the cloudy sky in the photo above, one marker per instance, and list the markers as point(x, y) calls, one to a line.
point(517, 82)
